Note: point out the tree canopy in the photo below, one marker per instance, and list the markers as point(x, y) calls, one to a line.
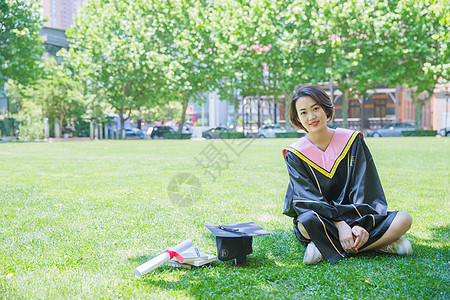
point(55, 96)
point(20, 48)
point(139, 55)
point(420, 49)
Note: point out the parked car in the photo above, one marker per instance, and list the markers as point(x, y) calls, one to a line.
point(214, 133)
point(186, 129)
point(444, 131)
point(392, 129)
point(134, 132)
point(159, 131)
point(268, 131)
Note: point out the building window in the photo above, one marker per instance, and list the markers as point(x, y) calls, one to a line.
point(379, 108)
point(354, 108)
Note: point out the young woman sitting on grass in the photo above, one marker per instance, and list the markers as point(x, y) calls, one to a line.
point(334, 193)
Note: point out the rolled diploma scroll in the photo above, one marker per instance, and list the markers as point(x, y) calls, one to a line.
point(161, 259)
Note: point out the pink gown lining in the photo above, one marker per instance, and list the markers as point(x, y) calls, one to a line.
point(324, 159)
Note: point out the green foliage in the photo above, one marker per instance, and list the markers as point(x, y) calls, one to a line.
point(31, 122)
point(26, 110)
point(58, 94)
point(16, 94)
point(147, 52)
point(121, 63)
point(251, 57)
point(360, 44)
point(31, 128)
point(8, 126)
point(82, 128)
point(166, 111)
point(418, 47)
point(96, 106)
point(20, 22)
point(419, 133)
point(54, 96)
point(141, 55)
point(337, 41)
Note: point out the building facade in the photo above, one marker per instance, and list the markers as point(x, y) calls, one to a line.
point(386, 105)
point(59, 13)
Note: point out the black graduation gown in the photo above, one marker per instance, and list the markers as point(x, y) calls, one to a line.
point(348, 189)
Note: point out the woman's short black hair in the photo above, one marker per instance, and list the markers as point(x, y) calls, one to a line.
point(319, 95)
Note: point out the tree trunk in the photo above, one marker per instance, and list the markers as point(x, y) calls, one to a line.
point(183, 114)
point(331, 89)
point(419, 112)
point(60, 120)
point(259, 111)
point(418, 105)
point(275, 117)
point(57, 129)
point(361, 115)
point(236, 110)
point(250, 119)
point(269, 110)
point(243, 114)
point(345, 108)
point(287, 100)
point(122, 123)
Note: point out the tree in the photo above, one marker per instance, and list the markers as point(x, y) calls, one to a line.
point(286, 64)
point(336, 41)
point(420, 49)
point(56, 95)
point(20, 48)
point(252, 56)
point(114, 46)
point(185, 35)
point(166, 112)
point(142, 53)
point(25, 110)
point(237, 50)
point(59, 94)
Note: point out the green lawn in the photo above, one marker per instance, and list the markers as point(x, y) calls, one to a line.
point(78, 217)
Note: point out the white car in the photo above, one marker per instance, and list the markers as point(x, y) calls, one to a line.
point(392, 129)
point(269, 131)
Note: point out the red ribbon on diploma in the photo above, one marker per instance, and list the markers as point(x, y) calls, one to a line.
point(175, 254)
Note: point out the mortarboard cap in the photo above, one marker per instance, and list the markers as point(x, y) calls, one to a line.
point(235, 241)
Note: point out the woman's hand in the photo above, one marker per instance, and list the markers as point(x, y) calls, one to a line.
point(346, 237)
point(361, 236)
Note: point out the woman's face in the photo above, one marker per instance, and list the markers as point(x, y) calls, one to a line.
point(310, 114)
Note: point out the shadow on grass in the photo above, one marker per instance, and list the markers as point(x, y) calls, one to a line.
point(275, 270)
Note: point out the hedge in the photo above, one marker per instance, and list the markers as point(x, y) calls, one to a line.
point(231, 135)
point(289, 134)
point(419, 133)
point(177, 135)
point(9, 127)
